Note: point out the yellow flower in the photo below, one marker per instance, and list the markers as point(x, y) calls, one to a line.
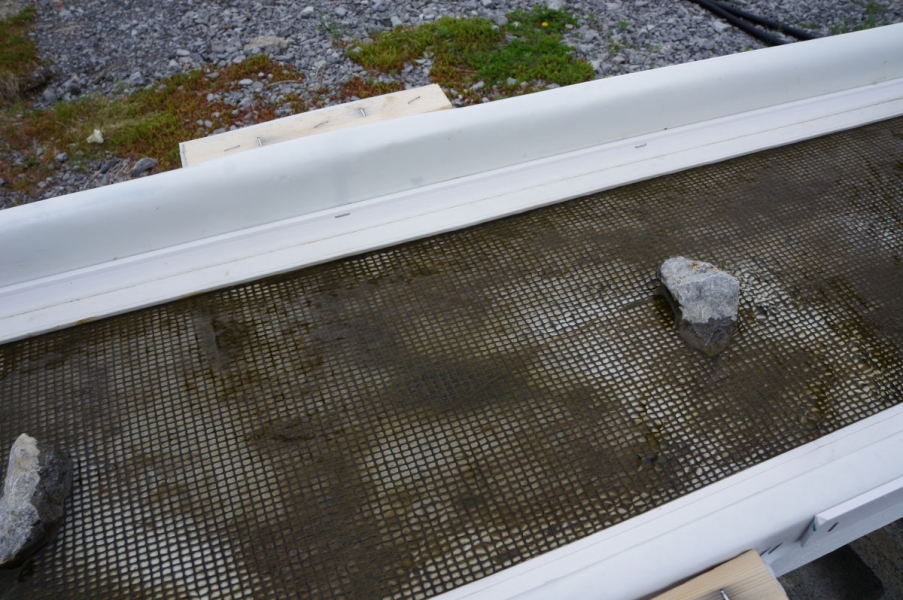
point(544, 24)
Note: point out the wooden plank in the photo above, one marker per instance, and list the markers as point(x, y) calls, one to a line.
point(370, 110)
point(743, 578)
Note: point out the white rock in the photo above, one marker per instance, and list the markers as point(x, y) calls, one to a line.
point(705, 301)
point(95, 138)
point(38, 479)
point(267, 41)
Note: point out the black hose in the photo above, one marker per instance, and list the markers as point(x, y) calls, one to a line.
point(740, 23)
point(765, 22)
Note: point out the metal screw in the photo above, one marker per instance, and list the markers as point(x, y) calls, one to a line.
point(259, 143)
point(363, 114)
point(232, 148)
point(417, 98)
point(724, 596)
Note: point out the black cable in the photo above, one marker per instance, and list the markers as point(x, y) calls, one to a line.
point(765, 22)
point(740, 23)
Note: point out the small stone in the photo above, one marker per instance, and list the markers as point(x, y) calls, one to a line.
point(486, 3)
point(61, 157)
point(552, 86)
point(267, 41)
point(355, 50)
point(555, 4)
point(245, 82)
point(182, 52)
point(38, 479)
point(500, 20)
point(511, 81)
point(136, 79)
point(477, 86)
point(2, 182)
point(50, 96)
point(720, 26)
point(211, 97)
point(704, 299)
point(307, 12)
point(341, 11)
point(396, 21)
point(95, 138)
point(143, 166)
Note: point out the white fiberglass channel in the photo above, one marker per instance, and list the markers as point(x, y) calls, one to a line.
point(319, 172)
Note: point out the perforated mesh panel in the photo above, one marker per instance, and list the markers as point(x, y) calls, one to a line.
point(404, 422)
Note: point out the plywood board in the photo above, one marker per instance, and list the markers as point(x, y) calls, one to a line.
point(743, 578)
point(371, 110)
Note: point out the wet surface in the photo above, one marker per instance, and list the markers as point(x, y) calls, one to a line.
point(404, 422)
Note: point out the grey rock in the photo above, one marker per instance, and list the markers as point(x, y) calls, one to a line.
point(705, 300)
point(555, 4)
point(341, 11)
point(61, 157)
point(143, 166)
point(477, 86)
point(136, 78)
point(396, 21)
point(511, 81)
point(50, 96)
point(307, 12)
point(500, 20)
point(2, 182)
point(38, 479)
point(487, 3)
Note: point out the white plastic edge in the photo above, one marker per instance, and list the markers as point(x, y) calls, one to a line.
point(769, 504)
point(114, 287)
point(312, 174)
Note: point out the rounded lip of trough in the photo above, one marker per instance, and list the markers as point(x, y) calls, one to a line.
point(335, 169)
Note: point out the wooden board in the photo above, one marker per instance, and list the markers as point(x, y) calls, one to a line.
point(371, 110)
point(743, 578)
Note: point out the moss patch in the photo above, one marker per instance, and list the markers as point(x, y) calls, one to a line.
point(150, 122)
point(18, 56)
point(466, 51)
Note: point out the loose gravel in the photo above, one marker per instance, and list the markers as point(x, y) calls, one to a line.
point(112, 47)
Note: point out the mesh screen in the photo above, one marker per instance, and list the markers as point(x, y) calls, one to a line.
point(403, 422)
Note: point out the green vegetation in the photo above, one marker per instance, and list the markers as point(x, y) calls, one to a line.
point(875, 16)
point(18, 56)
point(466, 51)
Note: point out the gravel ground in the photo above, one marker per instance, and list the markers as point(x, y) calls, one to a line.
point(114, 46)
